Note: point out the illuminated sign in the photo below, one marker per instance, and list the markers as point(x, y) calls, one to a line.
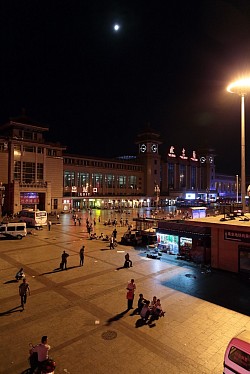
point(29, 198)
point(183, 154)
point(190, 196)
point(238, 236)
point(74, 189)
point(194, 158)
point(171, 152)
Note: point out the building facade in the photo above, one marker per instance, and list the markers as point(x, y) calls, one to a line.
point(37, 174)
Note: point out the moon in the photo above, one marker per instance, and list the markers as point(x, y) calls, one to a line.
point(116, 27)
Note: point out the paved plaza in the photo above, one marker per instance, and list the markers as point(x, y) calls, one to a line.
point(83, 310)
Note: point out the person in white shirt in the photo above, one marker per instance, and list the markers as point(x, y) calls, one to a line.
point(42, 350)
point(145, 312)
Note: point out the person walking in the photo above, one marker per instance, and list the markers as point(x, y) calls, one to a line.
point(131, 293)
point(64, 260)
point(23, 289)
point(111, 242)
point(82, 255)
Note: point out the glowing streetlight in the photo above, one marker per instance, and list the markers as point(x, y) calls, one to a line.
point(242, 88)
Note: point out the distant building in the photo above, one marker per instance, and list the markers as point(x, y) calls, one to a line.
point(37, 174)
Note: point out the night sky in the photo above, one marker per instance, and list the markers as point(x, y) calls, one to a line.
point(168, 65)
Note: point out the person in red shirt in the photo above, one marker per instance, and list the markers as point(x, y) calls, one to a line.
point(131, 293)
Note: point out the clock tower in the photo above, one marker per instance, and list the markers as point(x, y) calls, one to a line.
point(207, 167)
point(148, 152)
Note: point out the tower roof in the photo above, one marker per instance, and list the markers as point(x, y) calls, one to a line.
point(148, 135)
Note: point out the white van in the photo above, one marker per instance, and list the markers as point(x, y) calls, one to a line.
point(13, 229)
point(237, 355)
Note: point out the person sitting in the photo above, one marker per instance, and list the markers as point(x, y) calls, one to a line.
point(157, 310)
point(42, 351)
point(145, 311)
point(140, 303)
point(128, 263)
point(152, 303)
point(20, 275)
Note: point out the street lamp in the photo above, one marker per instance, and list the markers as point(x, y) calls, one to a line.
point(242, 88)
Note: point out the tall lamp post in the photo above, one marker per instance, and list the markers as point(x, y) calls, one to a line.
point(242, 88)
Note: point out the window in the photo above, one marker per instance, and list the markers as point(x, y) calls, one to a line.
point(28, 149)
point(97, 180)
point(240, 358)
point(110, 180)
point(28, 172)
point(39, 150)
point(55, 203)
point(17, 170)
point(27, 135)
point(193, 177)
point(82, 179)
point(182, 176)
point(51, 152)
point(121, 181)
point(39, 173)
point(132, 181)
point(170, 175)
point(69, 179)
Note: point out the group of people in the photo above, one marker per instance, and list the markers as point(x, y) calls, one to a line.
point(148, 310)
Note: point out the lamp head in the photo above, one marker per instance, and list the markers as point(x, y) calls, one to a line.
point(240, 87)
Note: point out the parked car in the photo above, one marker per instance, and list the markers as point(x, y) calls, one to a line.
point(237, 355)
point(13, 230)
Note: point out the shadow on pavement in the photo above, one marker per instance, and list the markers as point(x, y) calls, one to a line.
point(218, 287)
point(116, 317)
point(13, 310)
point(59, 270)
point(11, 281)
point(122, 267)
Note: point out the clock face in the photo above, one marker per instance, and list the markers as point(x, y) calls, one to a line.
point(203, 159)
point(143, 148)
point(154, 148)
point(211, 160)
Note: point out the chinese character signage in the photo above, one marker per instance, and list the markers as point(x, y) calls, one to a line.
point(29, 198)
point(171, 152)
point(238, 236)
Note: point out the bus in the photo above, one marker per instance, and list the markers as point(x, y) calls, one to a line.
point(33, 218)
